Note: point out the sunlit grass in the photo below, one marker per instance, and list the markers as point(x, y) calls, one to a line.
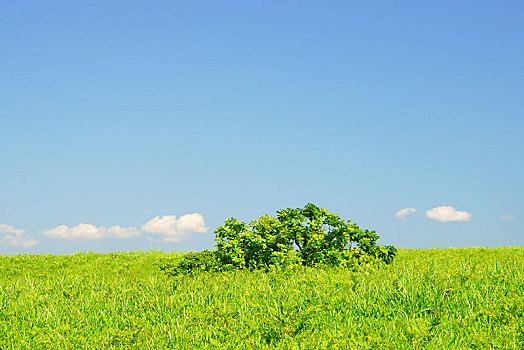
point(427, 299)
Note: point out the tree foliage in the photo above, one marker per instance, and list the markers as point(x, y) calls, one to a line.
point(320, 238)
point(309, 236)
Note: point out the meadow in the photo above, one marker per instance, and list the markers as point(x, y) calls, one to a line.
point(456, 298)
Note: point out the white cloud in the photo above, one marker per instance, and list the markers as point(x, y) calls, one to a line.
point(18, 241)
point(448, 213)
point(507, 217)
point(15, 237)
point(9, 229)
point(122, 232)
point(88, 231)
point(192, 222)
point(174, 229)
point(80, 231)
point(403, 213)
point(165, 225)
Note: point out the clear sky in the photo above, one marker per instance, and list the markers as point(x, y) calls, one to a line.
point(130, 125)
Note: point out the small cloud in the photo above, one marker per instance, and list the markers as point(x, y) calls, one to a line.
point(507, 217)
point(448, 213)
point(165, 225)
point(174, 229)
point(80, 231)
point(192, 222)
point(15, 237)
point(403, 213)
point(9, 229)
point(122, 232)
point(88, 231)
point(18, 241)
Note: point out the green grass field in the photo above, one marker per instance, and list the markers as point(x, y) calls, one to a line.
point(471, 298)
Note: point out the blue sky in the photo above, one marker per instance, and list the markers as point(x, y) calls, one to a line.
point(143, 125)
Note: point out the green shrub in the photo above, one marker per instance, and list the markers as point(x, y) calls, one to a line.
point(255, 246)
point(194, 262)
point(321, 239)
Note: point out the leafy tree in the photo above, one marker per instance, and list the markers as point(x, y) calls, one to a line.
point(257, 245)
point(310, 236)
point(321, 238)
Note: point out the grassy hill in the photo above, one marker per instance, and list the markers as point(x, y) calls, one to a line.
point(427, 299)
